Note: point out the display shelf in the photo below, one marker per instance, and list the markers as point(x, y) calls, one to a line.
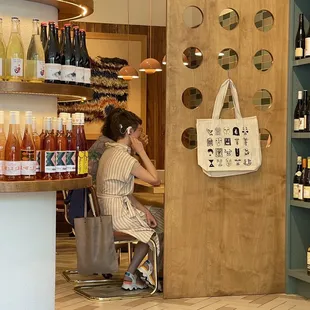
point(300, 204)
point(301, 135)
point(301, 62)
point(64, 93)
point(300, 274)
point(44, 186)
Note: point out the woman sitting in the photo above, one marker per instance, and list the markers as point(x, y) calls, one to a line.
point(115, 184)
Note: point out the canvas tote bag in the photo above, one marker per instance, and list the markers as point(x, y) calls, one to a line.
point(95, 247)
point(228, 147)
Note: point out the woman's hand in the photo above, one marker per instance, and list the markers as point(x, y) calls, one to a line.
point(136, 145)
point(150, 219)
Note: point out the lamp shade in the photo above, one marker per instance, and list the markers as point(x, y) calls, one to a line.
point(150, 66)
point(128, 73)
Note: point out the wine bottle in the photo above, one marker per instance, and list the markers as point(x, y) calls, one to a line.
point(71, 151)
point(86, 59)
point(297, 112)
point(302, 179)
point(2, 52)
point(43, 35)
point(308, 261)
point(61, 148)
point(35, 56)
point(15, 54)
point(2, 145)
point(307, 183)
point(38, 146)
point(307, 44)
point(42, 135)
point(300, 39)
point(57, 35)
point(19, 135)
point(64, 116)
point(54, 127)
point(78, 142)
point(78, 56)
point(82, 130)
point(68, 69)
point(61, 39)
point(28, 157)
point(302, 112)
point(297, 176)
point(52, 57)
point(49, 152)
point(12, 165)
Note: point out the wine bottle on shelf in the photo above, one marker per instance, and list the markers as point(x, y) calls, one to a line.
point(302, 179)
point(86, 59)
point(42, 135)
point(297, 176)
point(43, 35)
point(52, 57)
point(307, 114)
point(28, 152)
point(85, 163)
point(308, 261)
point(64, 116)
point(2, 145)
point(300, 39)
point(61, 39)
point(307, 182)
point(307, 44)
point(302, 112)
point(49, 152)
point(54, 127)
point(19, 135)
point(297, 112)
point(14, 68)
point(12, 165)
point(38, 146)
point(57, 35)
point(78, 142)
point(61, 148)
point(71, 151)
point(68, 69)
point(78, 56)
point(35, 56)
point(2, 52)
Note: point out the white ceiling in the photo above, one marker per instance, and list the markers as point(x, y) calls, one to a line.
point(115, 12)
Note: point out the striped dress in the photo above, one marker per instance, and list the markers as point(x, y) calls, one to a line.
point(114, 184)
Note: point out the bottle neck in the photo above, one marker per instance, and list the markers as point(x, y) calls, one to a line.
point(14, 26)
point(83, 40)
point(1, 29)
point(52, 32)
point(67, 37)
point(35, 28)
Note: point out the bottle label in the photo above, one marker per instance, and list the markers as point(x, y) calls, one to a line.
point(308, 260)
point(306, 192)
point(1, 69)
point(79, 75)
point(68, 73)
point(295, 191)
point(70, 161)
point(85, 162)
point(61, 161)
point(296, 124)
point(299, 52)
point(301, 124)
point(1, 167)
point(28, 162)
point(17, 67)
point(40, 69)
point(300, 192)
point(12, 168)
point(80, 162)
point(52, 72)
point(50, 162)
point(87, 76)
point(38, 160)
point(307, 50)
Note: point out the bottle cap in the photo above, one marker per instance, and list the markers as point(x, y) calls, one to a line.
point(82, 30)
point(14, 18)
point(13, 117)
point(300, 95)
point(35, 19)
point(44, 24)
point(67, 25)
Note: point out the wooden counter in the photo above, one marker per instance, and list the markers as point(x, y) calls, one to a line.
point(148, 199)
point(141, 186)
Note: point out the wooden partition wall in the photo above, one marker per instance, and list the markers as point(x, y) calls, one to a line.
point(225, 236)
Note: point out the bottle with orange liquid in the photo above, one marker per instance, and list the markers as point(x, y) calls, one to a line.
point(28, 152)
point(19, 135)
point(38, 146)
point(49, 152)
point(61, 148)
point(2, 145)
point(71, 150)
point(12, 165)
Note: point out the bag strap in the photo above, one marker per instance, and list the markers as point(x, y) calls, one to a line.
point(94, 201)
point(220, 98)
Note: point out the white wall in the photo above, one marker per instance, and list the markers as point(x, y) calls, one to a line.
point(115, 12)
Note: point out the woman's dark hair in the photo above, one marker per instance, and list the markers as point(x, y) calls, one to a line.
point(117, 122)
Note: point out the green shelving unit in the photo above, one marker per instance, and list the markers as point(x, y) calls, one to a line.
point(297, 212)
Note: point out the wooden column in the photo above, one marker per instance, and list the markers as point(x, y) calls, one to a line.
point(225, 236)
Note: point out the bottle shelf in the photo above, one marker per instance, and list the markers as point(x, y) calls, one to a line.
point(45, 186)
point(301, 62)
point(301, 135)
point(64, 93)
point(300, 274)
point(300, 204)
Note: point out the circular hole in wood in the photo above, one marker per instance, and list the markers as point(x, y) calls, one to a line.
point(192, 98)
point(264, 20)
point(263, 60)
point(189, 138)
point(229, 19)
point(265, 137)
point(228, 59)
point(192, 17)
point(193, 57)
point(262, 99)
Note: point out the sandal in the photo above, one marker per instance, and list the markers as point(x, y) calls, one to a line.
point(132, 285)
point(147, 272)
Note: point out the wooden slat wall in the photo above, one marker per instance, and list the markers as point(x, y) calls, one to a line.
point(225, 236)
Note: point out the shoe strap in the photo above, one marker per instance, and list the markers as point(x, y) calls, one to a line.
point(131, 276)
point(150, 265)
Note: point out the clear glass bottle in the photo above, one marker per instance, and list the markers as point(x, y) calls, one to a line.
point(35, 56)
point(84, 147)
point(12, 164)
point(49, 152)
point(2, 52)
point(2, 145)
point(14, 69)
point(28, 152)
